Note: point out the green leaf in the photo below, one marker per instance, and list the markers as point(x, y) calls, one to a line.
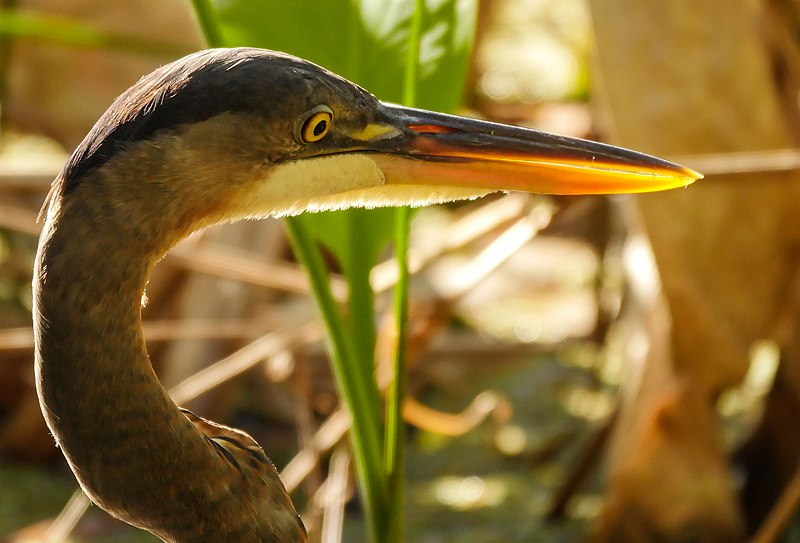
point(367, 42)
point(356, 237)
point(344, 234)
point(394, 442)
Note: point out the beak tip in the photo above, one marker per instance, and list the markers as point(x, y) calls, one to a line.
point(690, 176)
point(694, 175)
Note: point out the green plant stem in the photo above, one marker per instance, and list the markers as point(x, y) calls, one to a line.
point(395, 393)
point(361, 315)
point(394, 450)
point(353, 388)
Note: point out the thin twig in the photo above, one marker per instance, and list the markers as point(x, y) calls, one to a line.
point(777, 160)
point(240, 266)
point(16, 339)
point(329, 434)
point(68, 518)
point(497, 252)
point(455, 424)
point(21, 338)
point(471, 226)
point(781, 513)
point(333, 496)
point(75, 32)
point(19, 219)
point(244, 359)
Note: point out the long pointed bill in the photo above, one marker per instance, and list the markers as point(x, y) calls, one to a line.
point(417, 147)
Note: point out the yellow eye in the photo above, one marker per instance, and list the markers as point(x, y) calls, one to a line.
point(314, 124)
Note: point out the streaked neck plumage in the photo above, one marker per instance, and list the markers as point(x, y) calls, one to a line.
point(133, 451)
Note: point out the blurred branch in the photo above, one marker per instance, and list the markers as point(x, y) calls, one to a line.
point(743, 162)
point(19, 219)
point(782, 512)
point(484, 404)
point(12, 339)
point(333, 495)
point(478, 222)
point(498, 251)
point(218, 261)
point(68, 518)
point(244, 359)
point(328, 434)
point(241, 266)
point(76, 33)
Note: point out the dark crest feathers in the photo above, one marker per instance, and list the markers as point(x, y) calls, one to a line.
point(192, 89)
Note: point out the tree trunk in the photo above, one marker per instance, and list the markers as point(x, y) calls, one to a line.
point(683, 78)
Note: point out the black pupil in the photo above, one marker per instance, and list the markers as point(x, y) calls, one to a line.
point(319, 128)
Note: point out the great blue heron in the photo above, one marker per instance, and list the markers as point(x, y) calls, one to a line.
point(223, 135)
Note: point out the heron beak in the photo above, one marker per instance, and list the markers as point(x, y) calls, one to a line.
point(418, 147)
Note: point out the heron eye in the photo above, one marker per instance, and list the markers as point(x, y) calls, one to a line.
point(314, 124)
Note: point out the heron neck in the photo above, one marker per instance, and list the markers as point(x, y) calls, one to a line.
point(134, 453)
point(122, 435)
